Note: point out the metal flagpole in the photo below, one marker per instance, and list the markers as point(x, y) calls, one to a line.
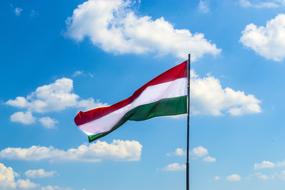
point(188, 123)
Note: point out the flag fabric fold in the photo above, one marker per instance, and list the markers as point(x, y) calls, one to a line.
point(165, 95)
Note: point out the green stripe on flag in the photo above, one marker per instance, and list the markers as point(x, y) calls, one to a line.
point(164, 107)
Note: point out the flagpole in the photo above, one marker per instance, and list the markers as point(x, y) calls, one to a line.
point(188, 123)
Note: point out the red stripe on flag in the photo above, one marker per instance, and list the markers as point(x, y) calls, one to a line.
point(179, 71)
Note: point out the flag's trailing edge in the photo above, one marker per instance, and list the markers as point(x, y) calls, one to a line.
point(165, 95)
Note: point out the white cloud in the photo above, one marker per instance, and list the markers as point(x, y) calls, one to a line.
point(9, 180)
point(208, 97)
point(18, 11)
point(178, 152)
point(26, 184)
point(233, 178)
point(200, 151)
point(115, 27)
point(25, 118)
point(117, 150)
point(53, 97)
point(203, 6)
point(19, 102)
point(48, 122)
point(90, 103)
point(197, 152)
point(264, 165)
point(39, 173)
point(210, 159)
point(7, 177)
point(203, 153)
point(269, 165)
point(267, 41)
point(56, 96)
point(174, 167)
point(260, 4)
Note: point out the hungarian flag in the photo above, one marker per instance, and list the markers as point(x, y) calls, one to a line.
point(165, 95)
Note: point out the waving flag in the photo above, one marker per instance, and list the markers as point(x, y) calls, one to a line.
point(165, 95)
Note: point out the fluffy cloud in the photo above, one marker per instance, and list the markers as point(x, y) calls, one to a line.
point(25, 118)
point(200, 151)
point(233, 178)
point(208, 97)
point(178, 152)
point(48, 122)
point(259, 4)
point(89, 103)
point(267, 41)
point(197, 152)
point(264, 165)
point(26, 184)
point(53, 97)
point(114, 27)
point(269, 164)
point(56, 96)
point(174, 167)
point(9, 180)
point(117, 150)
point(39, 173)
point(7, 177)
point(19, 102)
point(210, 159)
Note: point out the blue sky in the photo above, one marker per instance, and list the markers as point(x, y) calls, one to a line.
point(59, 57)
